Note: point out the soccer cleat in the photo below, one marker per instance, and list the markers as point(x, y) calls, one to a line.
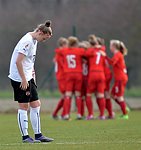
point(101, 118)
point(79, 117)
point(91, 117)
point(66, 117)
point(111, 117)
point(30, 140)
point(55, 117)
point(44, 139)
point(124, 117)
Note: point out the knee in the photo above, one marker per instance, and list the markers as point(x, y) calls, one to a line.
point(23, 106)
point(35, 104)
point(68, 94)
point(100, 95)
point(77, 93)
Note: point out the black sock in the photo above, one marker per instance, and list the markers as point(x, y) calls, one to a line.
point(38, 135)
point(25, 137)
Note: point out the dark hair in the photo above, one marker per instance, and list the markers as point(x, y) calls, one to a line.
point(48, 23)
point(100, 41)
point(45, 27)
point(92, 40)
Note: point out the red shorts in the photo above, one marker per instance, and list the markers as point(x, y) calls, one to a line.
point(108, 78)
point(73, 81)
point(84, 86)
point(119, 88)
point(62, 85)
point(96, 82)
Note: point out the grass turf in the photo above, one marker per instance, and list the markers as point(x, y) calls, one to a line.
point(76, 135)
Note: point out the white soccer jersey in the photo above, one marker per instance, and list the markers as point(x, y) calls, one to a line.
point(27, 46)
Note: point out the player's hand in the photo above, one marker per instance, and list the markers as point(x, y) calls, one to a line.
point(102, 53)
point(24, 85)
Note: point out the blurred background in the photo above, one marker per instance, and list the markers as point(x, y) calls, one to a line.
point(110, 19)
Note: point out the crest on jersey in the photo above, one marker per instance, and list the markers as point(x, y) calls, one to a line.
point(26, 45)
point(25, 48)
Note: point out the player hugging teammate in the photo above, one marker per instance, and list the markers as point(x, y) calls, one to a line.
point(83, 69)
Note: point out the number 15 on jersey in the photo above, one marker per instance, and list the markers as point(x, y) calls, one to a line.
point(71, 61)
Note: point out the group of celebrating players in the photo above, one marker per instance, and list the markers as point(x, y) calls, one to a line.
point(82, 69)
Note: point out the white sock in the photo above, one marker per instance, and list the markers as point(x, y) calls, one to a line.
point(23, 121)
point(35, 119)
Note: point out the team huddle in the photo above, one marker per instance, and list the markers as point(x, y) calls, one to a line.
point(83, 69)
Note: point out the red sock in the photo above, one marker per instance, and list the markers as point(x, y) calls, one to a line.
point(78, 104)
point(109, 107)
point(67, 106)
point(82, 108)
point(101, 105)
point(89, 105)
point(59, 106)
point(123, 107)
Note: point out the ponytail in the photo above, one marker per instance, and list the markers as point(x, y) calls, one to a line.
point(123, 49)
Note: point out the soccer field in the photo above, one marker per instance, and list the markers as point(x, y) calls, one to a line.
point(76, 135)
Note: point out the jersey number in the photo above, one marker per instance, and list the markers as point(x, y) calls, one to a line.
point(98, 56)
point(71, 61)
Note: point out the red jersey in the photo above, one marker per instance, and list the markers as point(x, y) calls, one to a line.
point(107, 70)
point(119, 67)
point(59, 70)
point(72, 58)
point(85, 67)
point(96, 60)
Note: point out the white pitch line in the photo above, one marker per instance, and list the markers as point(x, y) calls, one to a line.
point(97, 142)
point(76, 143)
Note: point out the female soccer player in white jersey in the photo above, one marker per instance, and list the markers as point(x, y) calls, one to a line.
point(25, 89)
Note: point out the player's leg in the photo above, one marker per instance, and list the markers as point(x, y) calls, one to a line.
point(118, 94)
point(58, 107)
point(122, 103)
point(83, 107)
point(68, 95)
point(101, 104)
point(89, 103)
point(83, 95)
point(78, 104)
point(108, 98)
point(100, 98)
point(35, 105)
point(114, 91)
point(109, 105)
point(23, 98)
point(67, 105)
point(61, 85)
point(77, 88)
point(23, 122)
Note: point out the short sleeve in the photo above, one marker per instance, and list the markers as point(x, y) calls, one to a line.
point(24, 48)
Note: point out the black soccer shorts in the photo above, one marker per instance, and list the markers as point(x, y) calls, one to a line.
point(25, 96)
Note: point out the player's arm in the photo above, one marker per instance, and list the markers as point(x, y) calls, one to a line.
point(34, 75)
point(113, 60)
point(24, 83)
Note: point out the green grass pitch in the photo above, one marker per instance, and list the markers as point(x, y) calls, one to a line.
point(76, 135)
